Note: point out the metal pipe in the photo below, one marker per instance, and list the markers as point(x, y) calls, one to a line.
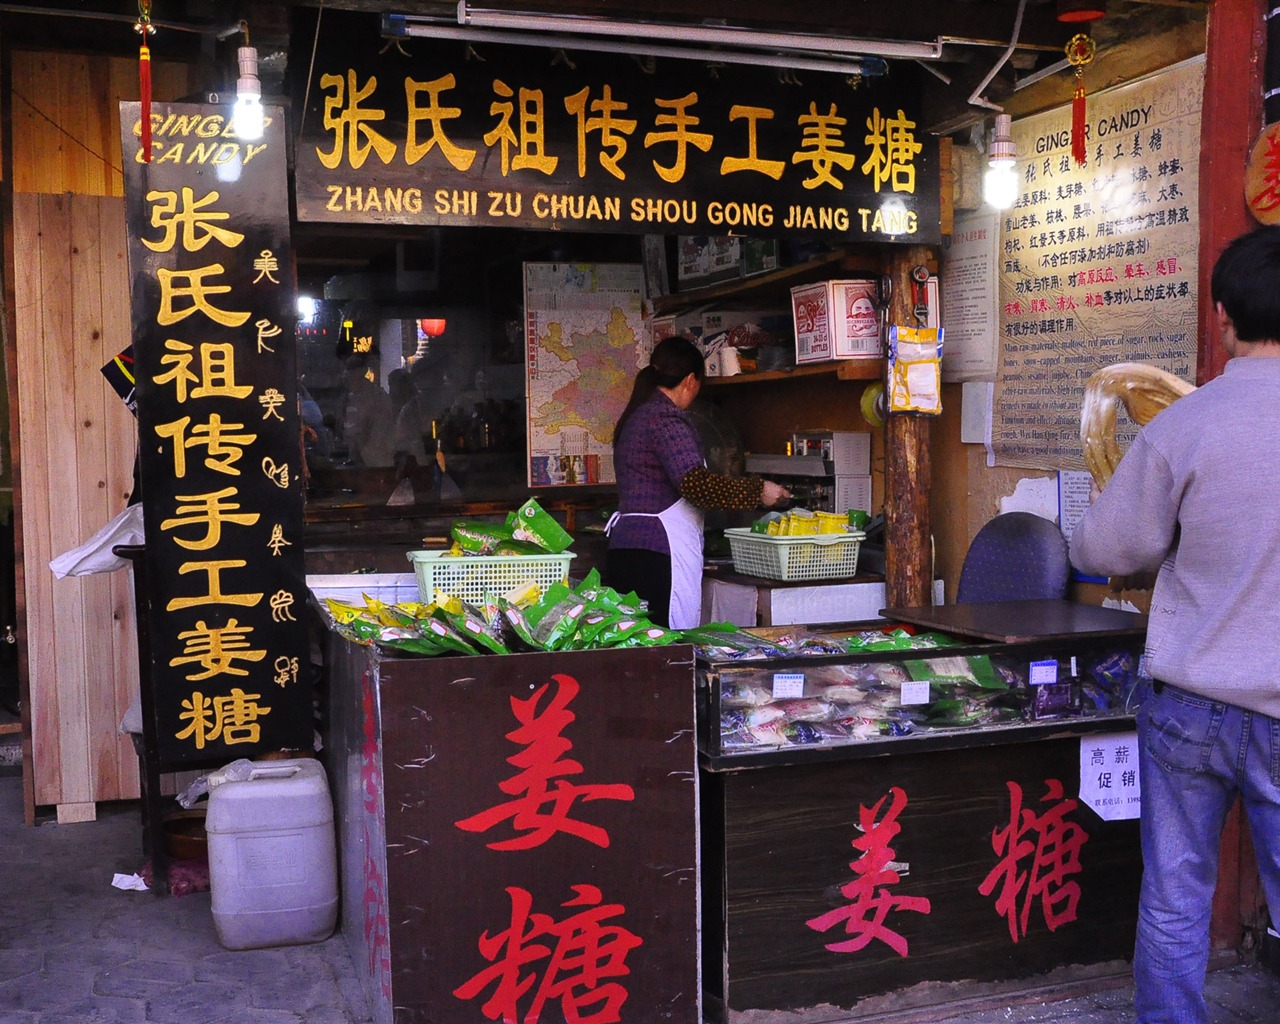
point(975, 99)
point(397, 26)
point(718, 35)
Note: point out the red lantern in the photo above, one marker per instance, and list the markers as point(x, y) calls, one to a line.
point(1075, 11)
point(432, 327)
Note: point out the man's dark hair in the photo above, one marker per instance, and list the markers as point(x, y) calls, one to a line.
point(1246, 280)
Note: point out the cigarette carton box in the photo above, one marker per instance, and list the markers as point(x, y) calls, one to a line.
point(836, 320)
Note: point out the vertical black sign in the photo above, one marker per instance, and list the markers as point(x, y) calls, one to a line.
point(213, 301)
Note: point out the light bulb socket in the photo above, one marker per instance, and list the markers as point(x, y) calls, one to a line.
point(1002, 149)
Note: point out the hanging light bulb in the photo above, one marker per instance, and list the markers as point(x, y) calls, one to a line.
point(1000, 183)
point(247, 120)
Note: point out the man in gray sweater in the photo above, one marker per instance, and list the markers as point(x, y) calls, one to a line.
point(1197, 497)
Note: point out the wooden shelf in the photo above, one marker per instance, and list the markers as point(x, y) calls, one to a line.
point(787, 276)
point(841, 369)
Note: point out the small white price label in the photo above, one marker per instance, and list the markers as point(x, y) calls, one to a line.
point(1044, 673)
point(787, 685)
point(915, 691)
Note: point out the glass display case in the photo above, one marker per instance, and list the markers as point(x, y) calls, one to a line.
point(828, 692)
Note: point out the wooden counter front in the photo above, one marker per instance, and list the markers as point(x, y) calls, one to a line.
point(519, 833)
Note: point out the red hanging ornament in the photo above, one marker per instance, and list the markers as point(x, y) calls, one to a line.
point(1080, 51)
point(144, 28)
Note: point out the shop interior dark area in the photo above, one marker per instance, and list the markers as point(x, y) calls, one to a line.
point(411, 360)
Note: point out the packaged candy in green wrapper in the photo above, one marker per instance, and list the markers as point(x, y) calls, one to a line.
point(558, 624)
point(650, 635)
point(513, 617)
point(517, 547)
point(443, 632)
point(477, 537)
point(530, 522)
point(408, 641)
point(555, 595)
point(478, 632)
point(590, 626)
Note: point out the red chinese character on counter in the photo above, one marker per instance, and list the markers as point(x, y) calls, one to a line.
point(1053, 844)
point(869, 895)
point(541, 799)
point(577, 957)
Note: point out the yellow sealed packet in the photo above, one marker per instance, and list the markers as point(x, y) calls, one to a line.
point(915, 369)
point(832, 522)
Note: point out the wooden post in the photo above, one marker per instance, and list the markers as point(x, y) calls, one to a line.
point(907, 557)
point(1230, 121)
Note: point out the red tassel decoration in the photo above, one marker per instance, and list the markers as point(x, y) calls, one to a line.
point(1078, 151)
point(1080, 50)
point(144, 91)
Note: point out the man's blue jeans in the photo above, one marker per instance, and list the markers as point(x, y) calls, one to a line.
point(1196, 755)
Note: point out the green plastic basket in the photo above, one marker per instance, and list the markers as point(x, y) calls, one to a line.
point(470, 577)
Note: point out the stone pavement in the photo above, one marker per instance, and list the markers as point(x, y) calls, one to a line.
point(74, 950)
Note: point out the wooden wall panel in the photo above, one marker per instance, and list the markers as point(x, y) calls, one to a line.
point(77, 456)
point(120, 433)
point(76, 437)
point(66, 117)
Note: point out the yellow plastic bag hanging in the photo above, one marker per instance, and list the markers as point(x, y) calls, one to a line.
point(915, 369)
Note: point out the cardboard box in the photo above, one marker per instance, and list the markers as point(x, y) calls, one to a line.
point(704, 259)
point(759, 256)
point(836, 320)
point(772, 321)
point(687, 324)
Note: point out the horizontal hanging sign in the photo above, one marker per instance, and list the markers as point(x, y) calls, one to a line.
point(533, 137)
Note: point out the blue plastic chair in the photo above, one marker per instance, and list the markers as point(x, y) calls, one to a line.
point(1017, 556)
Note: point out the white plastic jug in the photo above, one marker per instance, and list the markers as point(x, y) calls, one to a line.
point(273, 874)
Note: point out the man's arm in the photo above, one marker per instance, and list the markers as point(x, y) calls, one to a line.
point(1132, 525)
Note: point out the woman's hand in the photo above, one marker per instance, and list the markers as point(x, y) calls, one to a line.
point(772, 495)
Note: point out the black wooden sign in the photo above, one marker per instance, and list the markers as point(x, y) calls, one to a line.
point(541, 837)
point(213, 302)
point(450, 133)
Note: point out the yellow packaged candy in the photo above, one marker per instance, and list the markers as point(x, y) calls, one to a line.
point(831, 522)
point(448, 602)
point(342, 611)
point(803, 523)
point(524, 595)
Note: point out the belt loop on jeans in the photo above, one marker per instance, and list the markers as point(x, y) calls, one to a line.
point(1157, 685)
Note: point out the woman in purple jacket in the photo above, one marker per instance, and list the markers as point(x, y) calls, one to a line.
point(655, 537)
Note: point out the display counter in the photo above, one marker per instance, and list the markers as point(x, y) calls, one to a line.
point(829, 834)
point(897, 829)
